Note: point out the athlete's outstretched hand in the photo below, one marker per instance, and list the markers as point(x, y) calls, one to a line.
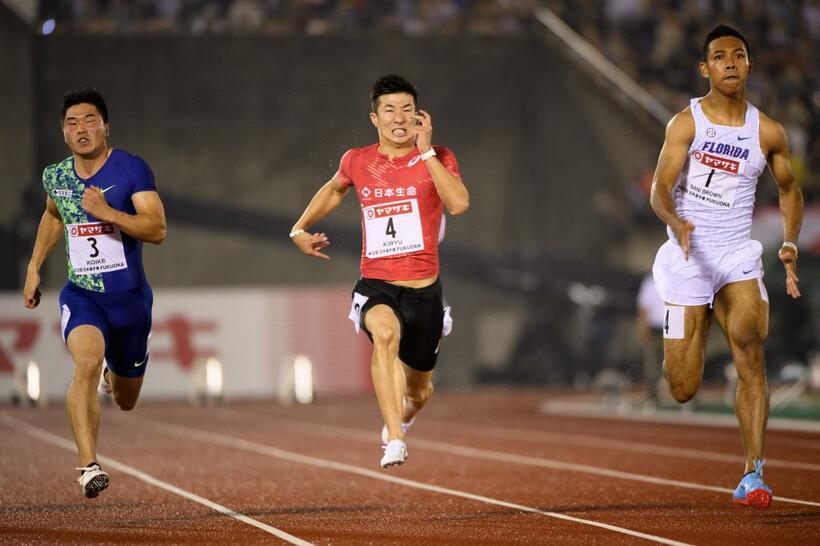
point(788, 256)
point(424, 131)
point(94, 202)
point(31, 290)
point(311, 244)
point(682, 231)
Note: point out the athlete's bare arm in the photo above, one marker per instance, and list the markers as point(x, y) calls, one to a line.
point(774, 141)
point(326, 200)
point(679, 135)
point(49, 233)
point(148, 224)
point(450, 188)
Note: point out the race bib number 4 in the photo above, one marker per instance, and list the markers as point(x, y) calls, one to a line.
point(95, 248)
point(393, 228)
point(713, 179)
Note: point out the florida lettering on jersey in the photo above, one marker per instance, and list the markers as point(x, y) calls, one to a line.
point(716, 187)
point(401, 211)
point(726, 149)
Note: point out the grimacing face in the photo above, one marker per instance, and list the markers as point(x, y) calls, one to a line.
point(84, 130)
point(727, 64)
point(394, 118)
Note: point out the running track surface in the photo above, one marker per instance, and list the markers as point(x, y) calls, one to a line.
point(484, 467)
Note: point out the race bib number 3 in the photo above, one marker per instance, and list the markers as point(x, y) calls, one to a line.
point(713, 180)
point(393, 228)
point(95, 248)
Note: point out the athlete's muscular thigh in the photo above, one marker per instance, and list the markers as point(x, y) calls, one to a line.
point(383, 324)
point(683, 358)
point(742, 313)
point(87, 347)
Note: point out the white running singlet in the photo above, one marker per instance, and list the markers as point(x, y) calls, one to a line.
point(716, 187)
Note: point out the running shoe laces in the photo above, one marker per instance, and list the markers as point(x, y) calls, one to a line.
point(395, 452)
point(752, 490)
point(92, 480)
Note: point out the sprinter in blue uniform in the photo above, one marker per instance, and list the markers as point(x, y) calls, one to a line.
point(104, 204)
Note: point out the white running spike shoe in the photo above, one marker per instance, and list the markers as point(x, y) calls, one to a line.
point(104, 387)
point(404, 428)
point(92, 480)
point(395, 452)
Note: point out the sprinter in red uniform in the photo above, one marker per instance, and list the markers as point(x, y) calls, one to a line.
point(403, 183)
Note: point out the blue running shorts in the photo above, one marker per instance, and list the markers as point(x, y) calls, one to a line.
point(124, 318)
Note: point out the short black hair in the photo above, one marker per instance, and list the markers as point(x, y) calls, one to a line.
point(87, 95)
point(719, 32)
point(389, 84)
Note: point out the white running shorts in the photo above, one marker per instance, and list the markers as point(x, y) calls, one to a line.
point(695, 281)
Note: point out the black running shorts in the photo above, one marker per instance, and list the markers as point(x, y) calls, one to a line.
point(420, 312)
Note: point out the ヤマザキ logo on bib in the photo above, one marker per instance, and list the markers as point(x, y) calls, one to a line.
point(393, 228)
point(717, 162)
point(95, 248)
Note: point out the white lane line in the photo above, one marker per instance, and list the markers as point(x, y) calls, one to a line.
point(499, 456)
point(573, 467)
point(583, 440)
point(59, 441)
point(270, 451)
point(619, 445)
point(578, 408)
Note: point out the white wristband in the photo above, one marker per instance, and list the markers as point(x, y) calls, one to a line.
point(296, 232)
point(428, 154)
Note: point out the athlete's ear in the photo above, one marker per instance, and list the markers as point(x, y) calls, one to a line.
point(374, 119)
point(704, 69)
point(107, 129)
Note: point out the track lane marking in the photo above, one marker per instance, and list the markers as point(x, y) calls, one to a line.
point(499, 456)
point(270, 451)
point(53, 439)
point(575, 408)
point(584, 440)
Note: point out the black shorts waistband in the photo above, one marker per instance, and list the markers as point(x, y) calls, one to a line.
point(432, 289)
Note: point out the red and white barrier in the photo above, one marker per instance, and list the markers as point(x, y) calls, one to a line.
point(256, 335)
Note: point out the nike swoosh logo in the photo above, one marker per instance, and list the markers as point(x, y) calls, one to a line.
point(108, 188)
point(138, 364)
point(747, 272)
point(744, 138)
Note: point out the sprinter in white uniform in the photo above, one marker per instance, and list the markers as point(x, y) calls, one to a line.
point(704, 191)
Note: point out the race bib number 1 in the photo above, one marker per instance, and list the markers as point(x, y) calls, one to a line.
point(393, 228)
point(95, 248)
point(713, 180)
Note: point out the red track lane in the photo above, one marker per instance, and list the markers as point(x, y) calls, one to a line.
point(232, 464)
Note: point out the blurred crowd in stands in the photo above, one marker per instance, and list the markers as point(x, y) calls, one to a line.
point(657, 42)
point(278, 17)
